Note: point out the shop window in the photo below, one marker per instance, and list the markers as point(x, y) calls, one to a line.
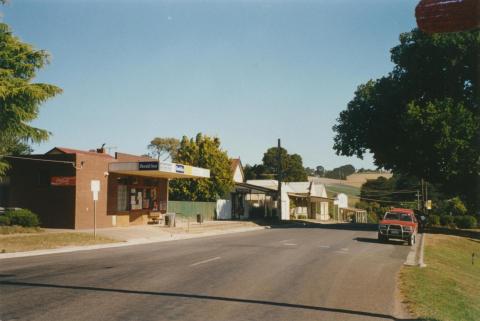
point(143, 199)
point(122, 198)
point(124, 180)
point(135, 194)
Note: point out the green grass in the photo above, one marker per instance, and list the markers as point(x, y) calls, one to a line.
point(448, 289)
point(21, 243)
point(18, 230)
point(349, 190)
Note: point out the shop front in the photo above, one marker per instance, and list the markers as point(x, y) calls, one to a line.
point(57, 186)
point(138, 191)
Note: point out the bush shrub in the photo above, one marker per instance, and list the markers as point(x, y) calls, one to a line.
point(25, 218)
point(4, 220)
point(433, 220)
point(446, 220)
point(465, 221)
point(302, 217)
point(372, 217)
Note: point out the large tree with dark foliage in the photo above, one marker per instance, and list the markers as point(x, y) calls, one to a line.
point(257, 171)
point(292, 164)
point(20, 98)
point(423, 118)
point(341, 172)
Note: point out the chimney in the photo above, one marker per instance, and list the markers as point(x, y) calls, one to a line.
point(102, 149)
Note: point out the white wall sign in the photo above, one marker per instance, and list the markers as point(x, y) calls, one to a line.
point(95, 188)
point(95, 185)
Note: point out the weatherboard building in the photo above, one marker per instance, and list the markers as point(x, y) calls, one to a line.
point(58, 187)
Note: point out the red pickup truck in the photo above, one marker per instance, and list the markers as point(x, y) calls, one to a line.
point(398, 223)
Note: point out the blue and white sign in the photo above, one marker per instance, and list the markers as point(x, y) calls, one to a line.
point(179, 168)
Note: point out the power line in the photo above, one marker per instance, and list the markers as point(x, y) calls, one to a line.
point(381, 201)
point(391, 193)
point(375, 200)
point(383, 191)
point(39, 159)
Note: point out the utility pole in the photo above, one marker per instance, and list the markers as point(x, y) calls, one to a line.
point(279, 179)
point(418, 200)
point(426, 197)
point(424, 202)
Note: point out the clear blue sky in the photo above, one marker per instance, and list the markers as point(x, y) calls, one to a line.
point(245, 71)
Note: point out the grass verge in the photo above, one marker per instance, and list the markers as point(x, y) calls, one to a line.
point(448, 288)
point(18, 230)
point(22, 243)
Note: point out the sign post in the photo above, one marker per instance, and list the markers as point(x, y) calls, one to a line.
point(429, 204)
point(95, 187)
point(279, 178)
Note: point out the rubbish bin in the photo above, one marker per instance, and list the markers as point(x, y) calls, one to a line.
point(199, 218)
point(170, 219)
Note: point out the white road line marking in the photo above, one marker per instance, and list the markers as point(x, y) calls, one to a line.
point(325, 246)
point(344, 249)
point(286, 241)
point(290, 244)
point(341, 252)
point(206, 261)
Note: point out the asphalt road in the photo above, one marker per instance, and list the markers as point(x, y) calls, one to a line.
point(276, 274)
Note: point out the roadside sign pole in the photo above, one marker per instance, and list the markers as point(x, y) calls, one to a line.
point(279, 178)
point(95, 188)
point(94, 219)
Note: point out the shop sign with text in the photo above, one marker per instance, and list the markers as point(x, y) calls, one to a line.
point(147, 166)
point(62, 181)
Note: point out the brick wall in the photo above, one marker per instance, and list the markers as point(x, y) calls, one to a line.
point(94, 168)
point(30, 188)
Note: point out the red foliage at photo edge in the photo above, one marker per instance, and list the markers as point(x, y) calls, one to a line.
point(436, 16)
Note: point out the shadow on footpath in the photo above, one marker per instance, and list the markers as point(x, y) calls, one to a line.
point(207, 297)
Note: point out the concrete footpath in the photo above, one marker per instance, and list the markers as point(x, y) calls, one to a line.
point(144, 234)
point(415, 256)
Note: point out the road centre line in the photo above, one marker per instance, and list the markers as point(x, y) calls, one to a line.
point(325, 246)
point(286, 241)
point(289, 244)
point(206, 261)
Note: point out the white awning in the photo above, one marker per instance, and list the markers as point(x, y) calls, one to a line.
point(158, 169)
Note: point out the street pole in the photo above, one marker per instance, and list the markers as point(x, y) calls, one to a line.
point(94, 219)
point(279, 178)
point(426, 197)
point(424, 202)
point(418, 200)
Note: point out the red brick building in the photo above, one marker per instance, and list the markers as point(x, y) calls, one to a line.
point(57, 186)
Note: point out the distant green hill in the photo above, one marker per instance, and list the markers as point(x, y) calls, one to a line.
point(351, 191)
point(335, 189)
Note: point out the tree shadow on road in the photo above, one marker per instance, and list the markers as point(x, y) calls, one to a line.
point(206, 297)
point(311, 224)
